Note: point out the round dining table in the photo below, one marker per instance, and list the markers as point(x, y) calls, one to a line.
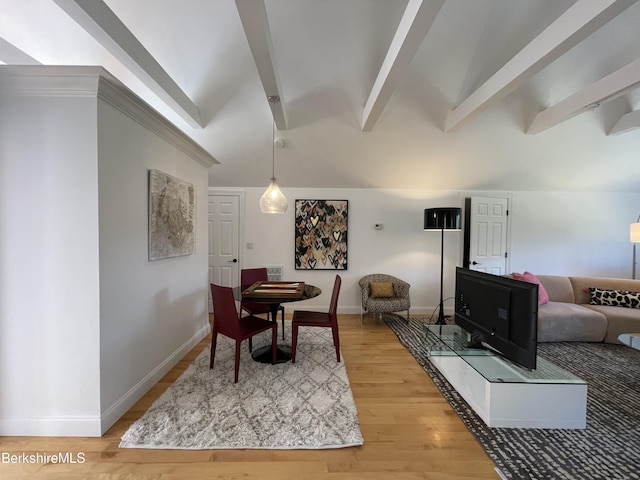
point(263, 354)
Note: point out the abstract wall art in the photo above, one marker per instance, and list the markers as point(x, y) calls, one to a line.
point(172, 210)
point(321, 234)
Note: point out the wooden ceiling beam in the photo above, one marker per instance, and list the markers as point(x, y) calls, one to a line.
point(608, 88)
point(412, 29)
point(253, 15)
point(107, 29)
point(626, 122)
point(578, 22)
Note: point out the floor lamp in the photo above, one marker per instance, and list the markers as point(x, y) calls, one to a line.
point(634, 234)
point(442, 219)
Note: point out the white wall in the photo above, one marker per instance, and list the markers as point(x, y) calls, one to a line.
point(562, 233)
point(87, 323)
point(151, 312)
point(49, 290)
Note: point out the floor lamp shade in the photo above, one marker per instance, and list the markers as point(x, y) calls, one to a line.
point(634, 236)
point(442, 219)
point(634, 232)
point(448, 218)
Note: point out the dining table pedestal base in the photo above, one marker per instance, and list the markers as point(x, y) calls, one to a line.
point(263, 354)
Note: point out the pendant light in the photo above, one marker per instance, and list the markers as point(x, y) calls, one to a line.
point(273, 200)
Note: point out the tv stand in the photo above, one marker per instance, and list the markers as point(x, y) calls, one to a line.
point(502, 393)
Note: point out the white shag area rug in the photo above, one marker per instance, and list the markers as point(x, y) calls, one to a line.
point(306, 405)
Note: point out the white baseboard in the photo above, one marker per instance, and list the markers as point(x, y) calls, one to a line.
point(96, 426)
point(66, 426)
point(418, 310)
point(124, 403)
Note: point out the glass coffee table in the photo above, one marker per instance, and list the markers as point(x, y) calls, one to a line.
point(502, 393)
point(630, 340)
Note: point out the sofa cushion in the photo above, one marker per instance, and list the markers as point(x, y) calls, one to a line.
point(581, 286)
point(620, 320)
point(568, 322)
point(543, 297)
point(558, 288)
point(614, 298)
point(381, 289)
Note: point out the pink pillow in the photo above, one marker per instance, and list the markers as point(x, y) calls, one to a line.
point(543, 296)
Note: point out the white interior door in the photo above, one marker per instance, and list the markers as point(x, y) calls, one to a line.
point(488, 235)
point(224, 241)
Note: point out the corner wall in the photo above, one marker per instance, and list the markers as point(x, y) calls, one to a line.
point(49, 287)
point(87, 323)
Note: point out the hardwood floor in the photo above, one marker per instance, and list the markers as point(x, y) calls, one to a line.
point(410, 432)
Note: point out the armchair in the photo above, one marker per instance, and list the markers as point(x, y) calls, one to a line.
point(395, 299)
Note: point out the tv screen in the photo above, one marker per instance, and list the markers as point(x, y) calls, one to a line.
point(500, 313)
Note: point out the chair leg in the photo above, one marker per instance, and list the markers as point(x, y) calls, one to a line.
point(282, 312)
point(250, 344)
point(237, 364)
point(214, 341)
point(336, 341)
point(294, 342)
point(407, 316)
point(274, 343)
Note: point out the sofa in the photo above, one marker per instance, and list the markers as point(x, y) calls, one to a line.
point(569, 314)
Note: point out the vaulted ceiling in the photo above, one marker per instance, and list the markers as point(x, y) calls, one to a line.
point(447, 94)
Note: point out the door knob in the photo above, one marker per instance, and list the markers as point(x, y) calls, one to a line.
point(235, 260)
point(475, 263)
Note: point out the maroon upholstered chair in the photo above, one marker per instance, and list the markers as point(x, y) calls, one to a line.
point(227, 322)
point(249, 276)
point(304, 318)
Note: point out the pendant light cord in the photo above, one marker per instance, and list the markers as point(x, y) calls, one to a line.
point(273, 99)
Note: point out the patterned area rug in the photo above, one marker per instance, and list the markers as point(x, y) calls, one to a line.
point(306, 405)
point(609, 448)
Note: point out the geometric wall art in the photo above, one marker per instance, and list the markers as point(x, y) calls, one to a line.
point(172, 210)
point(321, 234)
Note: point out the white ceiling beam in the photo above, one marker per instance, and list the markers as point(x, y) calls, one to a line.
point(253, 15)
point(413, 27)
point(12, 55)
point(106, 28)
point(626, 122)
point(578, 22)
point(612, 86)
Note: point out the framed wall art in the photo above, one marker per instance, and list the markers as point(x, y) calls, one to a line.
point(172, 211)
point(321, 234)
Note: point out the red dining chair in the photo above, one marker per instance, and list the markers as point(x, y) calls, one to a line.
point(249, 276)
point(227, 322)
point(304, 318)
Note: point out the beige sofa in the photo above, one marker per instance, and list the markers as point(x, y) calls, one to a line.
point(568, 316)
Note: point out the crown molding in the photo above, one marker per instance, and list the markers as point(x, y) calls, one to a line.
point(88, 82)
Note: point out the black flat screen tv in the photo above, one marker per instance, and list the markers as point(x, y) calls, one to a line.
point(500, 313)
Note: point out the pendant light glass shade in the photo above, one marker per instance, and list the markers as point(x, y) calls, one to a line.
point(273, 200)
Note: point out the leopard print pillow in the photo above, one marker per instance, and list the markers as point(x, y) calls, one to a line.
point(614, 298)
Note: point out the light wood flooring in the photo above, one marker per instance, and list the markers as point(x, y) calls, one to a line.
point(410, 432)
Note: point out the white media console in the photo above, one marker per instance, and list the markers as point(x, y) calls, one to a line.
point(502, 393)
